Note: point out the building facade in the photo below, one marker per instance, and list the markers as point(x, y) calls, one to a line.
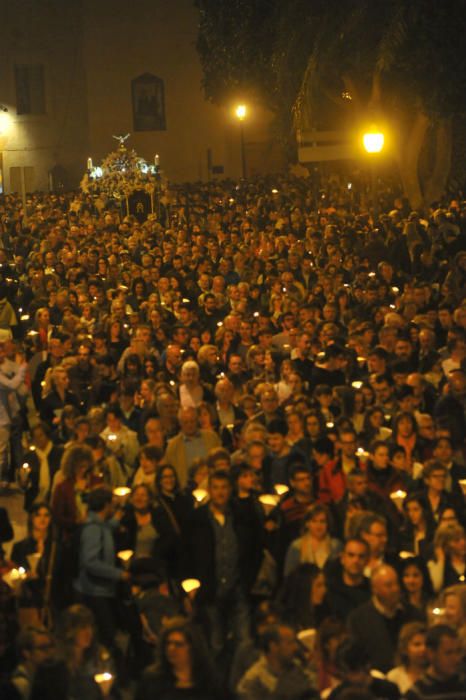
point(75, 73)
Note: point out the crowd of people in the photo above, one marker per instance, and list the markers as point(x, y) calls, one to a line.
point(238, 428)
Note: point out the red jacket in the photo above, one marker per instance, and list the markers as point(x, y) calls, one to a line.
point(332, 482)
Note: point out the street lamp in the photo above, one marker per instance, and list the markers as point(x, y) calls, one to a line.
point(373, 141)
point(241, 112)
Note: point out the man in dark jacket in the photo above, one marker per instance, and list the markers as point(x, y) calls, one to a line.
point(382, 618)
point(348, 587)
point(225, 554)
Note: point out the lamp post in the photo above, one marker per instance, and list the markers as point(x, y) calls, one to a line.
point(241, 112)
point(373, 141)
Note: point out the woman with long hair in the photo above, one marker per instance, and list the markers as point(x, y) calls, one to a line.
point(36, 555)
point(173, 508)
point(315, 424)
point(56, 395)
point(303, 597)
point(116, 338)
point(412, 656)
point(373, 426)
point(81, 651)
point(449, 565)
point(453, 601)
point(315, 545)
point(69, 495)
point(416, 585)
point(138, 529)
point(138, 293)
point(183, 668)
point(417, 532)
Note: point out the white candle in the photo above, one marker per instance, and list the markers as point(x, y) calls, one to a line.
point(398, 497)
point(190, 584)
point(89, 164)
point(104, 681)
point(125, 555)
point(200, 495)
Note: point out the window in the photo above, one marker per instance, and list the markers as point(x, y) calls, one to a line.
point(30, 89)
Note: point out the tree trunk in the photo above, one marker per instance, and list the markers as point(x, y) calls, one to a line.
point(408, 161)
point(436, 184)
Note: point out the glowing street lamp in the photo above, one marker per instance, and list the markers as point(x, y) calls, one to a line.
point(373, 141)
point(241, 113)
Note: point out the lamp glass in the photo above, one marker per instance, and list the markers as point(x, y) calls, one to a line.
point(373, 141)
point(241, 112)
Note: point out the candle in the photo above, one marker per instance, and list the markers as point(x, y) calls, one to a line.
point(104, 681)
point(398, 497)
point(156, 159)
point(307, 638)
point(89, 164)
point(122, 492)
point(190, 584)
point(268, 502)
point(200, 495)
point(125, 555)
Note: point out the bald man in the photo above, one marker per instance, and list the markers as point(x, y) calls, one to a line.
point(377, 623)
point(189, 444)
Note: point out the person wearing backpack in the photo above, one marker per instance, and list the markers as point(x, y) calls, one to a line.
point(98, 576)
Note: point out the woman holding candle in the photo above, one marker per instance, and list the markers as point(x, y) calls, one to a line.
point(56, 395)
point(449, 565)
point(86, 660)
point(417, 533)
point(36, 555)
point(373, 426)
point(139, 530)
point(383, 478)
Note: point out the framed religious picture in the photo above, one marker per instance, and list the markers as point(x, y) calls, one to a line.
point(148, 98)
